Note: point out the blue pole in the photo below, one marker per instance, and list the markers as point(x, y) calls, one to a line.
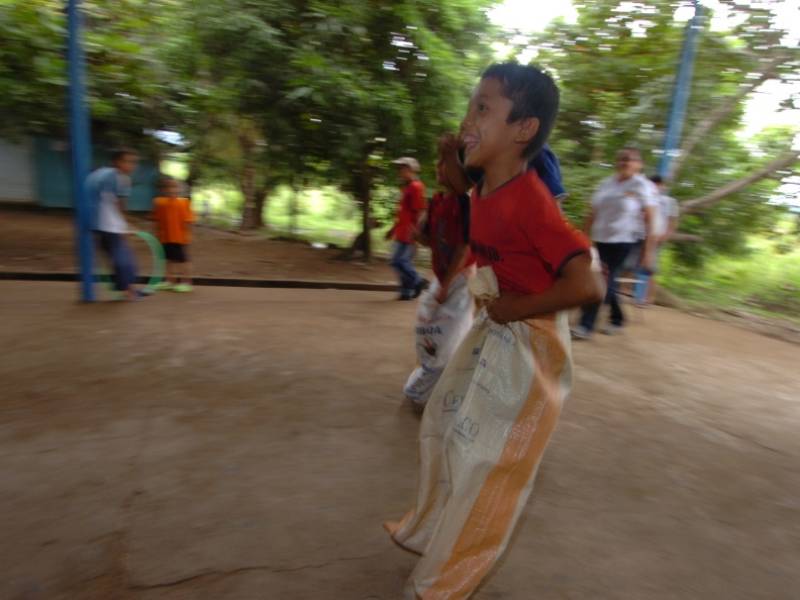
point(80, 146)
point(680, 94)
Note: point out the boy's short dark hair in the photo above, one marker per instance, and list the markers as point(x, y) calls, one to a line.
point(632, 150)
point(533, 93)
point(119, 153)
point(656, 179)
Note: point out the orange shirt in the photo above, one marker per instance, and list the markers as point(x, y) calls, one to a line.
point(520, 232)
point(173, 216)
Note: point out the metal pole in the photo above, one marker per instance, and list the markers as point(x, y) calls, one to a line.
point(80, 147)
point(680, 94)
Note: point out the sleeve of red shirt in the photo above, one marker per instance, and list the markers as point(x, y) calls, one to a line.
point(188, 213)
point(417, 199)
point(555, 239)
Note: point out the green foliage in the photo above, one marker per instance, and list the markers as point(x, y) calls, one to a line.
point(315, 93)
point(764, 278)
point(616, 68)
point(128, 84)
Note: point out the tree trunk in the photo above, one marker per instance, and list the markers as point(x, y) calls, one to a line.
point(699, 204)
point(253, 200)
point(253, 213)
point(293, 212)
point(247, 185)
point(262, 194)
point(364, 195)
point(191, 178)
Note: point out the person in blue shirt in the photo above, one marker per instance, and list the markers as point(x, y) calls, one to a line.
point(109, 189)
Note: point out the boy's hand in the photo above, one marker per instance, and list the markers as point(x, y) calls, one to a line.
point(441, 295)
point(505, 309)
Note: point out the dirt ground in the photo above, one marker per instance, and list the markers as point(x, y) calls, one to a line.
point(247, 444)
point(44, 241)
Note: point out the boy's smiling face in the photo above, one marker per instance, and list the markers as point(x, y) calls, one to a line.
point(486, 134)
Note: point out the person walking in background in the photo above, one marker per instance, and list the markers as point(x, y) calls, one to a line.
point(174, 218)
point(109, 189)
point(665, 223)
point(410, 211)
point(621, 203)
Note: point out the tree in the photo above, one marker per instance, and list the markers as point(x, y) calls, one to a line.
point(127, 82)
point(616, 67)
point(333, 88)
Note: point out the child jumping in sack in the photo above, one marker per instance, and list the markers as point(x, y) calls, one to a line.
point(491, 415)
point(445, 311)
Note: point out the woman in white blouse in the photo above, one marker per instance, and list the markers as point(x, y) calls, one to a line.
point(621, 205)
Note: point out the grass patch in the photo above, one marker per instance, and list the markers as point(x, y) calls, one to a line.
point(765, 281)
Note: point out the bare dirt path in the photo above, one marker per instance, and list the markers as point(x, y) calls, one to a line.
point(247, 444)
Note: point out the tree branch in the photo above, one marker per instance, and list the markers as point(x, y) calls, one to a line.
point(704, 202)
point(685, 237)
point(723, 110)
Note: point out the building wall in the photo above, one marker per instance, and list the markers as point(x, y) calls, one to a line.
point(54, 176)
point(16, 172)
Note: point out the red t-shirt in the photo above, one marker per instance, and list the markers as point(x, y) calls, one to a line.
point(447, 228)
point(520, 232)
point(411, 204)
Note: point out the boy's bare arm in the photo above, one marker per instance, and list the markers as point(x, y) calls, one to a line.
point(650, 241)
point(454, 268)
point(577, 285)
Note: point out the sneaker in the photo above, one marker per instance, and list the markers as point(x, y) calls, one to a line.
point(580, 333)
point(612, 329)
point(183, 288)
point(421, 287)
point(163, 286)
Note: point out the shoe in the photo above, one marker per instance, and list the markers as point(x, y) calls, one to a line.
point(581, 333)
point(183, 288)
point(163, 286)
point(402, 298)
point(145, 291)
point(612, 330)
point(423, 285)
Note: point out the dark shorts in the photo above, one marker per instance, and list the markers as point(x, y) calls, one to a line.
point(176, 252)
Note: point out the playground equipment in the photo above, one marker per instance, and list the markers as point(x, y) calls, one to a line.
point(157, 260)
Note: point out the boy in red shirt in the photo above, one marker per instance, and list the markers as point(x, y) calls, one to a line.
point(491, 415)
point(173, 217)
point(445, 310)
point(409, 213)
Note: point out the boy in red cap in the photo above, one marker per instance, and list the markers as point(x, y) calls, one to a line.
point(409, 214)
